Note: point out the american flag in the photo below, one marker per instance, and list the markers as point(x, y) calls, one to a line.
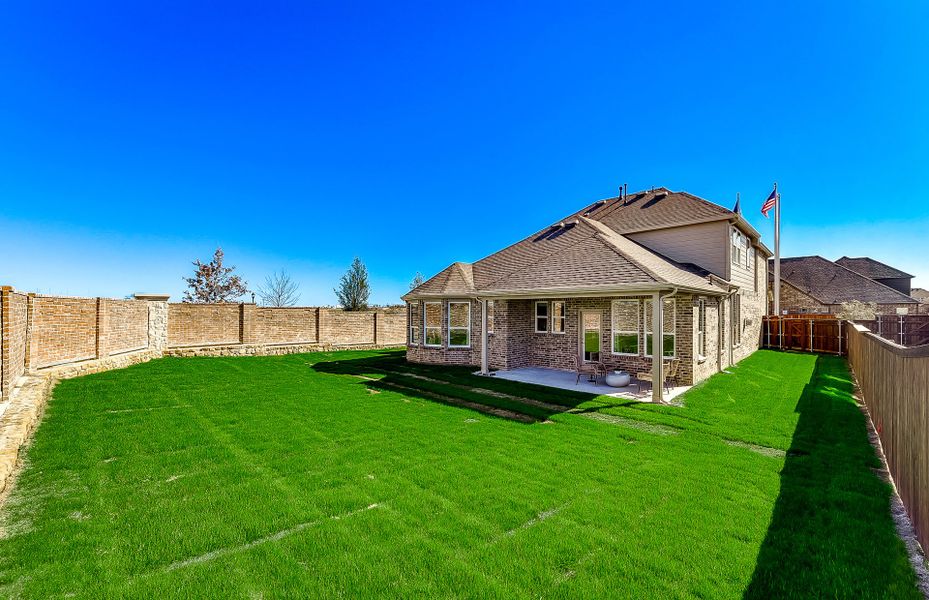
point(770, 202)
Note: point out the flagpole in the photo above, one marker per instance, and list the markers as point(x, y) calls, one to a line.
point(777, 252)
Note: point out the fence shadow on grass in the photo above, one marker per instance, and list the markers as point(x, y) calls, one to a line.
point(831, 532)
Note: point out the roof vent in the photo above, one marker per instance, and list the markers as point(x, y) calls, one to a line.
point(596, 205)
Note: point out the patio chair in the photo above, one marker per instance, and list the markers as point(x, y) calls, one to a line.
point(594, 370)
point(670, 375)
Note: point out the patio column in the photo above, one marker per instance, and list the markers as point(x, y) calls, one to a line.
point(657, 349)
point(485, 370)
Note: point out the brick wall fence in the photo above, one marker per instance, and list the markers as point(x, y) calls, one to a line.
point(39, 331)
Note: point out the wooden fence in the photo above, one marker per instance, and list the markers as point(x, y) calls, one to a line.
point(894, 383)
point(906, 330)
point(809, 333)
point(826, 333)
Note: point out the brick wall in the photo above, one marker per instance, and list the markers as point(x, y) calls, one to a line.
point(13, 340)
point(62, 330)
point(283, 325)
point(123, 326)
point(204, 324)
point(224, 324)
point(515, 344)
point(443, 354)
point(342, 327)
point(796, 302)
point(43, 331)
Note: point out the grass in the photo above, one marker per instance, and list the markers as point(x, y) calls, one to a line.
point(356, 474)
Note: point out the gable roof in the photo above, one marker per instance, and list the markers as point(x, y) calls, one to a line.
point(920, 294)
point(586, 253)
point(455, 279)
point(832, 283)
point(659, 208)
point(872, 268)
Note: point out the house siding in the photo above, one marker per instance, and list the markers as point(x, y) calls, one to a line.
point(704, 244)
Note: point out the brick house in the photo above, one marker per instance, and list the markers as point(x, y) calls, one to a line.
point(585, 288)
point(813, 284)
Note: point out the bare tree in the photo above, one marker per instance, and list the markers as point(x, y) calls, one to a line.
point(279, 290)
point(353, 290)
point(417, 281)
point(214, 282)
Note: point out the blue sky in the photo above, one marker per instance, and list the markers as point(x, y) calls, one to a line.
point(139, 136)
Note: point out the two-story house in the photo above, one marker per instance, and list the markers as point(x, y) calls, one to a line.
point(586, 288)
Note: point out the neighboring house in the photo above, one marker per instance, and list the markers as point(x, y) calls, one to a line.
point(879, 272)
point(813, 284)
point(922, 296)
point(585, 287)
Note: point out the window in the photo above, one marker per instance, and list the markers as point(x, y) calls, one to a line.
point(490, 316)
point(558, 317)
point(667, 327)
point(625, 327)
point(754, 269)
point(701, 328)
point(749, 255)
point(736, 319)
point(432, 318)
point(541, 317)
point(739, 247)
point(459, 324)
point(414, 325)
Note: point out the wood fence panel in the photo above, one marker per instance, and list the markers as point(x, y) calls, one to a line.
point(894, 383)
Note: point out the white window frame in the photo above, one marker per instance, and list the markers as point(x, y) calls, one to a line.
point(426, 327)
point(553, 319)
point(736, 320)
point(701, 329)
point(414, 327)
point(648, 323)
point(536, 317)
point(738, 248)
point(467, 328)
point(614, 331)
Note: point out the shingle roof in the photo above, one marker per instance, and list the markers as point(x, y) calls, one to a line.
point(656, 209)
point(455, 279)
point(586, 252)
point(872, 268)
point(831, 283)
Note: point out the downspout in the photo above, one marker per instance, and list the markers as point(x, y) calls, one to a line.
point(722, 340)
point(658, 345)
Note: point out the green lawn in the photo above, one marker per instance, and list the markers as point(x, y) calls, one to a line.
point(355, 474)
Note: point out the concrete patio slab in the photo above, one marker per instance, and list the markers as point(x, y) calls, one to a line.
point(566, 380)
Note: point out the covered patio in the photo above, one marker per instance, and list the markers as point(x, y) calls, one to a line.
point(567, 380)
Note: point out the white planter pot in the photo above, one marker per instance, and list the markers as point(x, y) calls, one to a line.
point(618, 379)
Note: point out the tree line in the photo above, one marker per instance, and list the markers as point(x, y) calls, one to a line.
point(215, 282)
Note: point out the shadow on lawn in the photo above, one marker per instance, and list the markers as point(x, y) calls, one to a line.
point(831, 532)
point(394, 370)
point(452, 386)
